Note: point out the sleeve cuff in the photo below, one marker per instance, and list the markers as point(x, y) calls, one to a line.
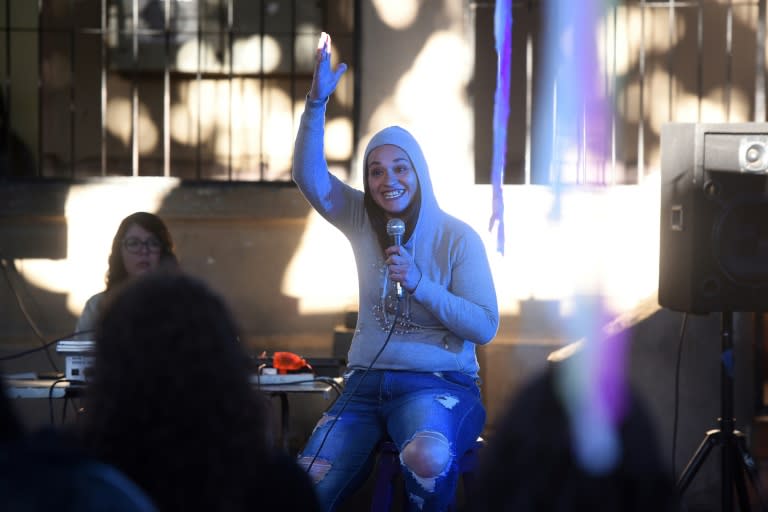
point(316, 103)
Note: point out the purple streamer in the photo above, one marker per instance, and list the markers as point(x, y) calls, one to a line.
point(502, 24)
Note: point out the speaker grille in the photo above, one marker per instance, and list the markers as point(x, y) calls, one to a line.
point(741, 243)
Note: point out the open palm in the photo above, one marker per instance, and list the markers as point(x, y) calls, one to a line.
point(325, 79)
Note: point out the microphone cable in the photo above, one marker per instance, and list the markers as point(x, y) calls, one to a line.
point(352, 393)
point(50, 399)
point(676, 400)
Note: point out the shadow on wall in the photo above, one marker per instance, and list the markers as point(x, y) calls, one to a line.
point(16, 158)
point(32, 226)
point(240, 239)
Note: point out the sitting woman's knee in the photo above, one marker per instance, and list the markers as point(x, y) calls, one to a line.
point(427, 454)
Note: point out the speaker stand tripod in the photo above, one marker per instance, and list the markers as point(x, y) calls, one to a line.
point(736, 460)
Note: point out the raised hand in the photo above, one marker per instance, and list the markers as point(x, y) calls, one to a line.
point(324, 79)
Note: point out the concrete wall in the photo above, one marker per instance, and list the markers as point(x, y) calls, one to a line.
point(243, 240)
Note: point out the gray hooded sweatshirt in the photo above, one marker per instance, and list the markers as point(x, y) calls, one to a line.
point(452, 309)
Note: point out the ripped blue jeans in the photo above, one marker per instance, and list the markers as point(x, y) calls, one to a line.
point(433, 418)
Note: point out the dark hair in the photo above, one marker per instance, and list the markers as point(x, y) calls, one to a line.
point(116, 273)
point(11, 427)
point(171, 403)
point(530, 464)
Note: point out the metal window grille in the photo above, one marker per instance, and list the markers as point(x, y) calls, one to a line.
point(659, 61)
point(99, 88)
point(196, 89)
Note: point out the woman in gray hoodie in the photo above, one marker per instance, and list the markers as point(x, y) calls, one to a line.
point(424, 305)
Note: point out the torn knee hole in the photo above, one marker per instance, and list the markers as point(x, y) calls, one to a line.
point(319, 467)
point(427, 454)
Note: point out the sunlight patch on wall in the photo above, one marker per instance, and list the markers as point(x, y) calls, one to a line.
point(322, 273)
point(260, 117)
point(713, 108)
point(249, 53)
point(186, 118)
point(191, 53)
point(252, 54)
point(398, 14)
point(278, 132)
point(606, 243)
point(119, 114)
point(744, 13)
point(338, 138)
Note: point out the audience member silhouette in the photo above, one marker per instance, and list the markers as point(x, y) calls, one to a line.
point(48, 470)
point(10, 426)
point(531, 462)
point(171, 403)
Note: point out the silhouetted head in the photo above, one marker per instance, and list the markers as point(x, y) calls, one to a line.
point(170, 402)
point(530, 462)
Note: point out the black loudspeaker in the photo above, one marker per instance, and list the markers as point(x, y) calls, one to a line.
point(714, 217)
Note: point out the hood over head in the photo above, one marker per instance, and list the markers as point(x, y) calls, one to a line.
point(425, 200)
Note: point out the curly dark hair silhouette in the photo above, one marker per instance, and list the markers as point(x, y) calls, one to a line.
point(11, 427)
point(46, 469)
point(529, 462)
point(172, 406)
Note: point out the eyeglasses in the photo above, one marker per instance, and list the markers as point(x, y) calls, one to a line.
point(135, 245)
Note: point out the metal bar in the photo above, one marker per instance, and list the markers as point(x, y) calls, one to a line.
point(135, 92)
point(614, 86)
point(7, 92)
point(528, 105)
point(199, 81)
point(699, 59)
point(262, 89)
point(167, 91)
point(760, 64)
point(71, 90)
point(103, 110)
point(641, 100)
point(357, 16)
point(729, 60)
point(292, 45)
point(230, 75)
point(671, 60)
point(40, 103)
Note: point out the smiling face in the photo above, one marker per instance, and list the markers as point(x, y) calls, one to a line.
point(141, 251)
point(392, 180)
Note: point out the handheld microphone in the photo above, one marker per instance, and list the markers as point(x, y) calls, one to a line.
point(396, 229)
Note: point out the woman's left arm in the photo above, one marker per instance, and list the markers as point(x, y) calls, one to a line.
point(468, 308)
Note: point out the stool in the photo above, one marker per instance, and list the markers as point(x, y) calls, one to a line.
point(388, 470)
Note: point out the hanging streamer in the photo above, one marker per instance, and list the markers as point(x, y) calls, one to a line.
point(572, 147)
point(502, 24)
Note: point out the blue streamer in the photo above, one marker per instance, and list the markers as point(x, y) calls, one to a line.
point(502, 24)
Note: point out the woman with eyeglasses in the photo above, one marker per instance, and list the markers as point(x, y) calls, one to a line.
point(142, 244)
